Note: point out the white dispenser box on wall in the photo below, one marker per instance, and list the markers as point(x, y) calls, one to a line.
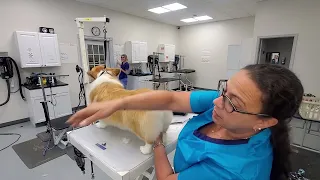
point(136, 51)
point(168, 52)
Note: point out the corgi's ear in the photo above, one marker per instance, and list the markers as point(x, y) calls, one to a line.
point(91, 74)
point(113, 71)
point(116, 71)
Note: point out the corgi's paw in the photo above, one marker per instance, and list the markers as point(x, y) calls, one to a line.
point(101, 124)
point(146, 149)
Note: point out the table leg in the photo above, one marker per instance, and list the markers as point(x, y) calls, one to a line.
point(139, 177)
point(149, 176)
point(153, 175)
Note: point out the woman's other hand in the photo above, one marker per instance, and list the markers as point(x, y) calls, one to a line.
point(94, 112)
point(159, 139)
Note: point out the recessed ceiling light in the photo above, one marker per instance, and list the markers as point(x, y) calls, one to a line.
point(188, 20)
point(174, 6)
point(159, 10)
point(202, 18)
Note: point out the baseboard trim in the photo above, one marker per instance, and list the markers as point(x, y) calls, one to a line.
point(14, 122)
point(27, 119)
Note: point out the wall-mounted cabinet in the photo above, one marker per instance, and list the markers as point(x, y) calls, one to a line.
point(38, 49)
point(136, 51)
point(168, 50)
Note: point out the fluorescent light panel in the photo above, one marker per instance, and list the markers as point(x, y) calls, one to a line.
point(189, 20)
point(174, 6)
point(194, 19)
point(167, 8)
point(202, 18)
point(159, 10)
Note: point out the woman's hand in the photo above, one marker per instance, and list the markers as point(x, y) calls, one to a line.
point(94, 112)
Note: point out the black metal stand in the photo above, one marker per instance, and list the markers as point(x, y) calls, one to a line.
point(46, 115)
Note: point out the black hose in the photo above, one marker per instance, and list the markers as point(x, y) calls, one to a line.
point(10, 134)
point(82, 94)
point(8, 96)
point(19, 78)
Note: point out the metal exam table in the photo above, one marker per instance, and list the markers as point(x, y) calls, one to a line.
point(117, 152)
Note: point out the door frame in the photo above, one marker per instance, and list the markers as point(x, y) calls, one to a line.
point(293, 51)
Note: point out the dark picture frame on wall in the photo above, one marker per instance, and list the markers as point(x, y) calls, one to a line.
point(273, 57)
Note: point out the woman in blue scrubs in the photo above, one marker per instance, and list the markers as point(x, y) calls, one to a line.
point(124, 66)
point(240, 133)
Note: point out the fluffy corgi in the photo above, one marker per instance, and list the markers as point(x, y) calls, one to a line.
point(147, 125)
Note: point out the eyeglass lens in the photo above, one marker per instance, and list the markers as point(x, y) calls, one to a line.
point(226, 101)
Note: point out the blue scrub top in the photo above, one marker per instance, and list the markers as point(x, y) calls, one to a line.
point(124, 66)
point(201, 157)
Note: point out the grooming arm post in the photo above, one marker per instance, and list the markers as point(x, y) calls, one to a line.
point(83, 50)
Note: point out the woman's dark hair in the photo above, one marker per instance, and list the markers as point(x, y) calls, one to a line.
point(282, 93)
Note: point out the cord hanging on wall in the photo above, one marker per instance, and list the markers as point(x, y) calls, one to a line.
point(6, 71)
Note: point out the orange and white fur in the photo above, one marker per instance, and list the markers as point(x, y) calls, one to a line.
point(147, 125)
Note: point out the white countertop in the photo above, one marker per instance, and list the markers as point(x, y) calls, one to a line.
point(120, 160)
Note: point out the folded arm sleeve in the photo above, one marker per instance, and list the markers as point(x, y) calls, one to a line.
point(201, 101)
point(126, 66)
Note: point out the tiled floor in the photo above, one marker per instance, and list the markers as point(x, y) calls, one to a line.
point(62, 168)
point(306, 160)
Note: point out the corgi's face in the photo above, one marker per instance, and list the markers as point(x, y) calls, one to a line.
point(97, 70)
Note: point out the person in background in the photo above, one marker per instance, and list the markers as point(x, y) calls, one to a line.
point(124, 66)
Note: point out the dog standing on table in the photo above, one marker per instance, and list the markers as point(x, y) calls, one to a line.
point(147, 125)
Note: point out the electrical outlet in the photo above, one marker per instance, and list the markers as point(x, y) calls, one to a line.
point(205, 59)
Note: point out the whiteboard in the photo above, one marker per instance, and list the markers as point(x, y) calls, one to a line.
point(69, 53)
point(234, 52)
point(118, 50)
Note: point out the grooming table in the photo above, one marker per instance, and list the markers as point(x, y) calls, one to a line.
point(120, 159)
point(165, 81)
point(188, 83)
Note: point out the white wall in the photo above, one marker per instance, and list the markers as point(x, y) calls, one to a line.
point(284, 17)
point(60, 14)
point(214, 38)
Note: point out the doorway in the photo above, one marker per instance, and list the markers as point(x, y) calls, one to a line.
point(278, 50)
point(99, 52)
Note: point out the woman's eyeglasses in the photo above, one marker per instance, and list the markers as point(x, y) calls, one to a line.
point(229, 106)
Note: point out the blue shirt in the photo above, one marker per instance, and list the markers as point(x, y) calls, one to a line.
point(124, 66)
point(201, 157)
